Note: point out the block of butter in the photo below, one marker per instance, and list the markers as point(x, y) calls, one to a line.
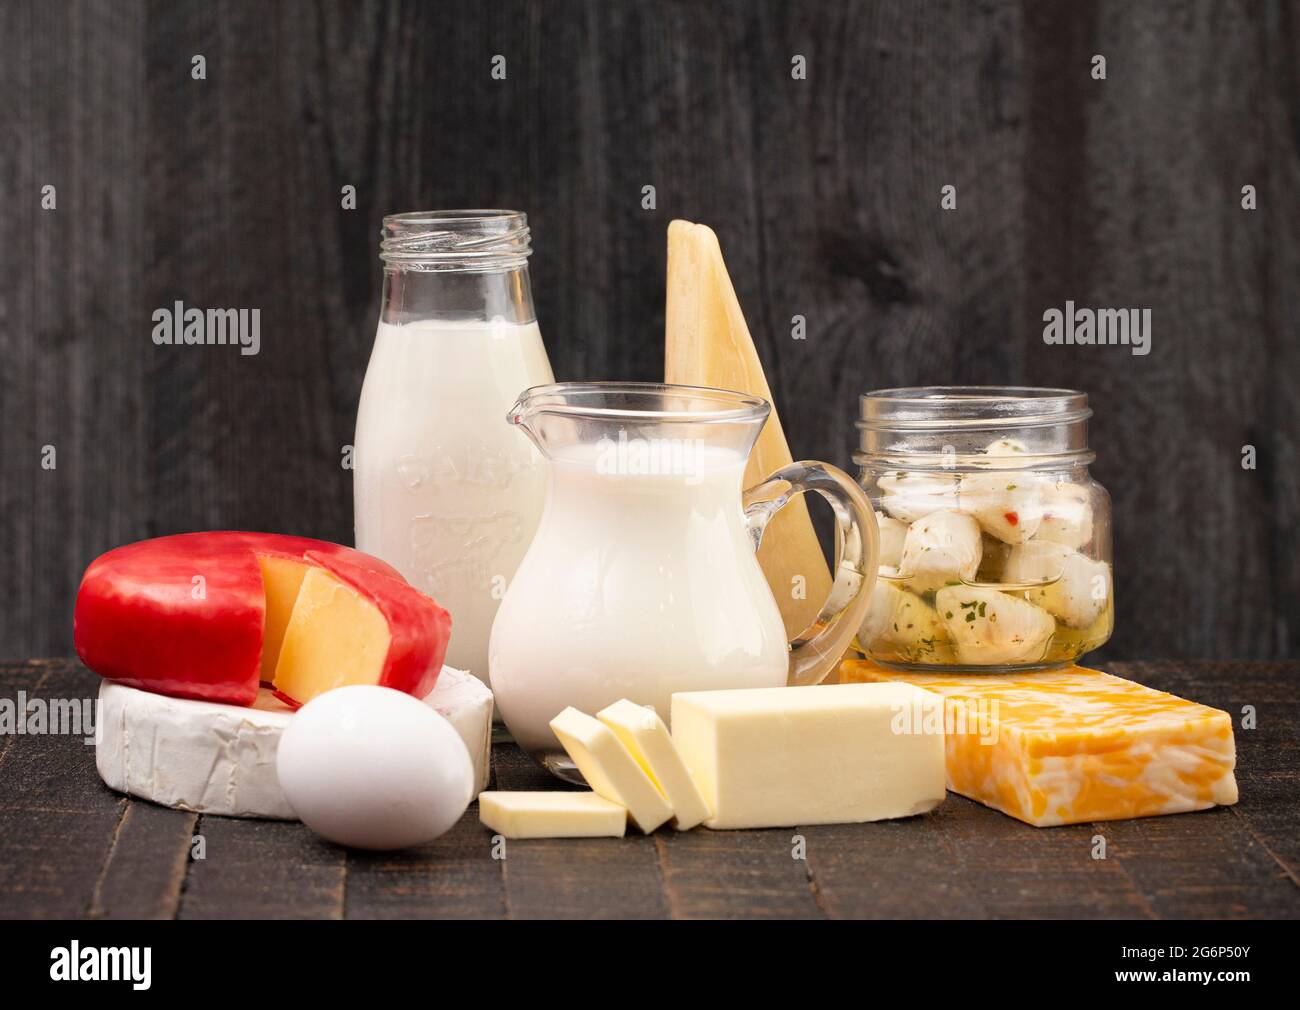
point(788, 756)
point(1075, 745)
point(551, 815)
point(643, 733)
point(609, 769)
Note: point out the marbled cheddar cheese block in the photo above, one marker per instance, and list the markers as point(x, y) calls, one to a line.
point(1075, 745)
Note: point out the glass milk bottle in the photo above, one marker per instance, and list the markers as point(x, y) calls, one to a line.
point(443, 490)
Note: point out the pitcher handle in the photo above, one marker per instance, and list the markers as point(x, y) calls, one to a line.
point(857, 551)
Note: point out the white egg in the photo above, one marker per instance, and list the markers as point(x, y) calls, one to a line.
point(374, 768)
point(942, 548)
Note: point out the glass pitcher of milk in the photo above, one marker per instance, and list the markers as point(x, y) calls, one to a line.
point(642, 579)
point(444, 491)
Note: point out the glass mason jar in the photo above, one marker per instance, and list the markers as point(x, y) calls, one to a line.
point(443, 490)
point(995, 548)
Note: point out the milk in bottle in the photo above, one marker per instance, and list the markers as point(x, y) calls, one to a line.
point(445, 491)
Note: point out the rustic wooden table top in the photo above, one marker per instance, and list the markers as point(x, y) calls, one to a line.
point(71, 848)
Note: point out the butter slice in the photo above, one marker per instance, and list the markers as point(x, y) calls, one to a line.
point(1075, 745)
point(643, 733)
point(551, 815)
point(786, 756)
point(609, 769)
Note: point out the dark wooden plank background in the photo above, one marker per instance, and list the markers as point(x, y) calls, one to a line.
point(825, 193)
point(70, 847)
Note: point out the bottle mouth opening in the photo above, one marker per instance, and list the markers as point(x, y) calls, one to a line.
point(466, 241)
point(945, 428)
point(970, 408)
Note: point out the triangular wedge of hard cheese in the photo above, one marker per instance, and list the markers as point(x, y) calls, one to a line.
point(708, 344)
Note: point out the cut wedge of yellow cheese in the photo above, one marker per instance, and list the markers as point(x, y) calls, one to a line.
point(1075, 745)
point(281, 580)
point(708, 344)
point(334, 637)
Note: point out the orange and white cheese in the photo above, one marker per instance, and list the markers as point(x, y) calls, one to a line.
point(1075, 745)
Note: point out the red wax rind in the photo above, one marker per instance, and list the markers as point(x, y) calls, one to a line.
point(184, 615)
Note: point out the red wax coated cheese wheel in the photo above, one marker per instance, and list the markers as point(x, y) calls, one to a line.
point(210, 615)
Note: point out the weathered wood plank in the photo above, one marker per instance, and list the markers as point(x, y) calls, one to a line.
point(735, 875)
point(1133, 199)
point(146, 865)
point(583, 878)
point(567, 878)
point(1201, 866)
point(1268, 755)
point(69, 847)
point(71, 329)
point(263, 870)
point(57, 821)
point(455, 877)
point(50, 859)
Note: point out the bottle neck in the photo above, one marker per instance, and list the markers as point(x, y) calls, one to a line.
point(459, 265)
point(410, 296)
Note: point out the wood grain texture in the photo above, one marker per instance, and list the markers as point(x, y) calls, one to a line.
point(824, 193)
point(146, 864)
point(69, 847)
point(51, 802)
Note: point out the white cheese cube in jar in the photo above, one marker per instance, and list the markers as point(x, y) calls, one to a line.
point(987, 479)
point(942, 548)
point(992, 628)
point(901, 627)
point(1004, 451)
point(1075, 588)
point(912, 496)
point(892, 534)
point(1007, 505)
point(1067, 515)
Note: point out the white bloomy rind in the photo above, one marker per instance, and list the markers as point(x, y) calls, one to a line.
point(220, 759)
